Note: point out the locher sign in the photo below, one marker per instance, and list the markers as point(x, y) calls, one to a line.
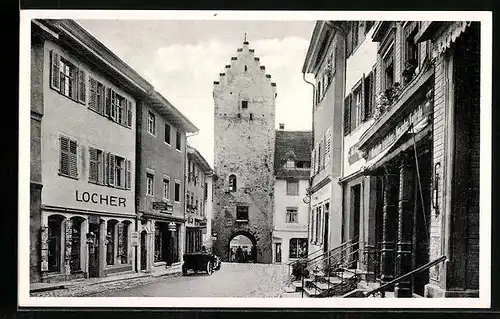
point(96, 198)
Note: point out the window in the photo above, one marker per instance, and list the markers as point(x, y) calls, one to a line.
point(292, 215)
point(96, 95)
point(290, 164)
point(151, 123)
point(232, 183)
point(411, 52)
point(356, 107)
point(244, 104)
point(166, 188)
point(96, 166)
point(177, 190)
point(68, 79)
point(303, 164)
point(76, 235)
point(241, 213)
point(68, 157)
point(298, 248)
point(292, 187)
point(120, 172)
point(205, 191)
point(246, 68)
point(388, 70)
point(167, 133)
point(251, 116)
point(107, 102)
point(110, 239)
point(318, 224)
point(178, 140)
point(196, 207)
point(150, 184)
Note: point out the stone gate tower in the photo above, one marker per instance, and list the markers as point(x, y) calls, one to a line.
point(244, 115)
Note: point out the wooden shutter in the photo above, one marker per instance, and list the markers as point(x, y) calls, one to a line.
point(93, 94)
point(321, 154)
point(44, 243)
point(55, 76)
point(128, 175)
point(93, 165)
point(111, 169)
point(328, 147)
point(347, 115)
point(107, 108)
point(64, 161)
point(317, 158)
point(363, 98)
point(129, 113)
point(105, 159)
point(68, 238)
point(73, 158)
point(82, 86)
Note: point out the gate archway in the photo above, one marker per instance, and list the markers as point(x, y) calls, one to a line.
point(242, 247)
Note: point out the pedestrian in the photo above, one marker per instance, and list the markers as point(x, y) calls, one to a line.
point(239, 254)
point(231, 258)
point(245, 256)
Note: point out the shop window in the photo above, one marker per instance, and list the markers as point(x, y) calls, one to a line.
point(292, 215)
point(68, 157)
point(177, 191)
point(167, 133)
point(242, 213)
point(150, 184)
point(54, 243)
point(111, 241)
point(123, 242)
point(232, 183)
point(76, 238)
point(166, 188)
point(178, 142)
point(158, 243)
point(96, 165)
point(292, 187)
point(298, 248)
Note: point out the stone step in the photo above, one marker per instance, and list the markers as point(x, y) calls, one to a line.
point(312, 292)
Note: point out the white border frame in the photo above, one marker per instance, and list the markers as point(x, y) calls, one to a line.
point(24, 300)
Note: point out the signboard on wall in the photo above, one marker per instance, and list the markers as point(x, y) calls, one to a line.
point(134, 238)
point(160, 205)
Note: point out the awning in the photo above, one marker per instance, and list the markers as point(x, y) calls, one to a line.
point(377, 161)
point(164, 217)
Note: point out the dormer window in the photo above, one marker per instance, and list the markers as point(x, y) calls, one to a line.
point(232, 183)
point(290, 163)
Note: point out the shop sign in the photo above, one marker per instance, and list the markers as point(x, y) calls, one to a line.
point(160, 206)
point(134, 238)
point(94, 219)
point(100, 199)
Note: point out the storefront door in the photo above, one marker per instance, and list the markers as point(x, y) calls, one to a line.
point(277, 257)
point(144, 251)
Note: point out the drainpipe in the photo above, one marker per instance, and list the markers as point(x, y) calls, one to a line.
point(310, 179)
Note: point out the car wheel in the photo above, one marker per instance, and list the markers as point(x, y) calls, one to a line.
point(184, 271)
point(209, 268)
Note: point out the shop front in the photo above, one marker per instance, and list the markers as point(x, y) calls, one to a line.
point(194, 234)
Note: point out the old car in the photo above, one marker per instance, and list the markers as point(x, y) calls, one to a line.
point(200, 261)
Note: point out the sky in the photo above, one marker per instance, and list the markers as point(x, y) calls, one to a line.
point(182, 58)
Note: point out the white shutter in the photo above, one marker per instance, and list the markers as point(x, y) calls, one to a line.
point(93, 94)
point(64, 157)
point(328, 147)
point(93, 165)
point(73, 158)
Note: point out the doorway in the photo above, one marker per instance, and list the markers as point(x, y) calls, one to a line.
point(242, 249)
point(94, 251)
point(277, 257)
point(355, 212)
point(326, 220)
point(144, 251)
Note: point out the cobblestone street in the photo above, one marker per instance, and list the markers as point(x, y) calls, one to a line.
point(232, 280)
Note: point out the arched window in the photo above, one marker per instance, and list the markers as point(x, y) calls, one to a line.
point(232, 183)
point(76, 242)
point(54, 228)
point(123, 242)
point(111, 239)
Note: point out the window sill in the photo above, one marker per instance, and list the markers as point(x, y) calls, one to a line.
point(108, 117)
point(242, 220)
point(168, 144)
point(153, 135)
point(178, 150)
point(68, 176)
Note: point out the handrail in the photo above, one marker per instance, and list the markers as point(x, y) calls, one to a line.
point(336, 253)
point(408, 274)
point(306, 258)
point(329, 253)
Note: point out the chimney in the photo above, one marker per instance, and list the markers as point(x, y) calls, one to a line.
point(282, 126)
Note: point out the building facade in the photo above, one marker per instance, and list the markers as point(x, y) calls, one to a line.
point(244, 117)
point(411, 153)
point(197, 192)
point(325, 60)
point(87, 210)
point(292, 164)
point(160, 187)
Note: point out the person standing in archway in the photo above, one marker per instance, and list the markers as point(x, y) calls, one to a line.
point(239, 255)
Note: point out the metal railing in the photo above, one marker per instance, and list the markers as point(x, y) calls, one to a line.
point(412, 273)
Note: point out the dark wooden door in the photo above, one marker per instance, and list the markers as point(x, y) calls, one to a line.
point(94, 251)
point(144, 250)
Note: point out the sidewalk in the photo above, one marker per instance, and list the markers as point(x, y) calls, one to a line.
point(43, 286)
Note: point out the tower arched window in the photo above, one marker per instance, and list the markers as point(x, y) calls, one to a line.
point(232, 183)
